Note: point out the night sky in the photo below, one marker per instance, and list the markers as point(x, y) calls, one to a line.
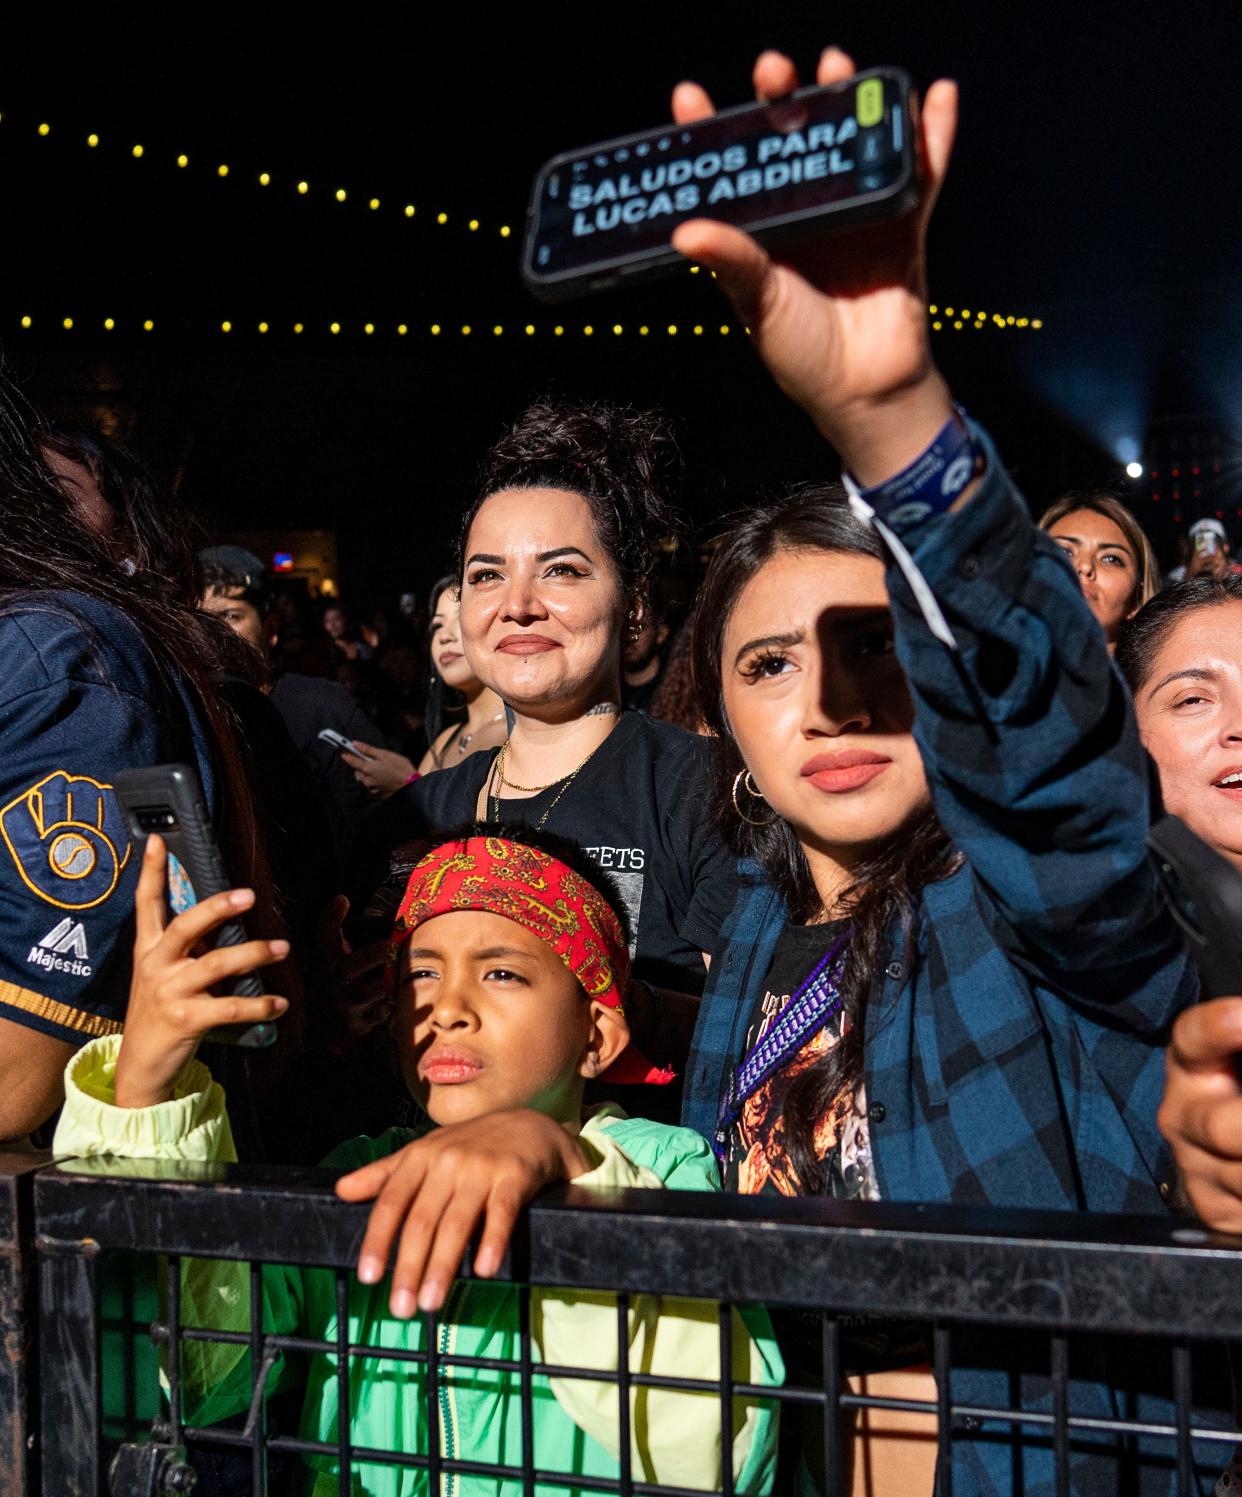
point(1095, 187)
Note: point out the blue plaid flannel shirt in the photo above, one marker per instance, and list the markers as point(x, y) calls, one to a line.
point(1015, 1035)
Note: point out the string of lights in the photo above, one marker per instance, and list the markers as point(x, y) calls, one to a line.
point(949, 321)
point(398, 205)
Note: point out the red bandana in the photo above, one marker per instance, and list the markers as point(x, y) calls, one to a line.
point(546, 897)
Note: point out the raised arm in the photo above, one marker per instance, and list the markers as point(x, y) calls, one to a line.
point(1030, 746)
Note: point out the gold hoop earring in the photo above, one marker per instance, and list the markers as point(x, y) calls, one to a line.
point(745, 776)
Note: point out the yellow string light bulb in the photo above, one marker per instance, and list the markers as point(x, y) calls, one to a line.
point(1036, 322)
point(68, 323)
point(92, 140)
point(932, 310)
point(724, 329)
point(335, 328)
point(473, 225)
point(672, 329)
point(226, 327)
point(109, 324)
point(340, 194)
point(402, 329)
point(505, 231)
point(374, 204)
point(643, 331)
point(1009, 321)
point(442, 218)
point(558, 331)
point(616, 327)
point(698, 331)
point(25, 321)
point(369, 329)
point(966, 313)
point(588, 330)
point(297, 327)
point(264, 179)
point(137, 152)
point(45, 129)
point(263, 327)
point(498, 330)
point(148, 326)
point(409, 210)
point(530, 329)
point(465, 332)
point(935, 327)
point(435, 329)
point(957, 327)
point(222, 170)
point(694, 270)
point(183, 160)
point(303, 188)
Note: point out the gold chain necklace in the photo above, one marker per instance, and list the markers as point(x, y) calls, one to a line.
point(513, 784)
point(498, 770)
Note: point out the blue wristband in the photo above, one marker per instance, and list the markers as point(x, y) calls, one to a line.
point(933, 480)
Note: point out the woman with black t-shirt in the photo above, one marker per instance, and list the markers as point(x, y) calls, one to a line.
point(556, 555)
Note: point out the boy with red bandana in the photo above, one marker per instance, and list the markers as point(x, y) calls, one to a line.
point(508, 968)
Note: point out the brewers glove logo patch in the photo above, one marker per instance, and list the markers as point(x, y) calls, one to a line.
point(68, 838)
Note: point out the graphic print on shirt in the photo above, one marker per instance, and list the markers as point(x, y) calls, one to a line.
point(758, 1146)
point(68, 839)
point(622, 863)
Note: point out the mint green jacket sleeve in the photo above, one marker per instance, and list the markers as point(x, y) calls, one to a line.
point(675, 1436)
point(215, 1295)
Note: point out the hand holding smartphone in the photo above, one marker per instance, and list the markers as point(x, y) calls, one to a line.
point(342, 744)
point(166, 799)
point(817, 161)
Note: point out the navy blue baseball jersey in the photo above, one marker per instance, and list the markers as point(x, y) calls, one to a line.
point(81, 696)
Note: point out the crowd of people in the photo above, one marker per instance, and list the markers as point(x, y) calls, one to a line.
point(833, 885)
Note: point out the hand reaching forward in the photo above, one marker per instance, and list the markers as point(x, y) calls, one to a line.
point(1201, 1113)
point(431, 1196)
point(841, 322)
point(171, 1005)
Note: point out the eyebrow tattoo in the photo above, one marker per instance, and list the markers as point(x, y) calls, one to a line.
point(1192, 673)
point(794, 638)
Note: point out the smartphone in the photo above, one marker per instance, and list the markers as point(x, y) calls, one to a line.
point(1205, 895)
point(821, 158)
point(168, 799)
point(342, 744)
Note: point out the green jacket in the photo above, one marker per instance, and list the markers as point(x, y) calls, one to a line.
point(675, 1436)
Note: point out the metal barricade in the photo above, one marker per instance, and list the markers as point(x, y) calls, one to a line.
point(1068, 1281)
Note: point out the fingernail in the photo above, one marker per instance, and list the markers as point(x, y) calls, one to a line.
point(369, 1270)
point(279, 948)
point(402, 1304)
point(280, 1004)
point(487, 1262)
point(240, 898)
point(431, 1295)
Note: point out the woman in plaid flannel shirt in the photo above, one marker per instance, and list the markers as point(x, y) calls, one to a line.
point(1009, 1041)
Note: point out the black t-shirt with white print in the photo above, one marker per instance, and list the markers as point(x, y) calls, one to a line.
point(639, 808)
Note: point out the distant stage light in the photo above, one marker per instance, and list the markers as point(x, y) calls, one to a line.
point(1134, 470)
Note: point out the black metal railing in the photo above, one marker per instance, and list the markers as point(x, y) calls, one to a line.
point(1048, 1289)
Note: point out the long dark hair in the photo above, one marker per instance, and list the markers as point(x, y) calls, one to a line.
point(1141, 637)
point(885, 887)
point(153, 526)
point(45, 550)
